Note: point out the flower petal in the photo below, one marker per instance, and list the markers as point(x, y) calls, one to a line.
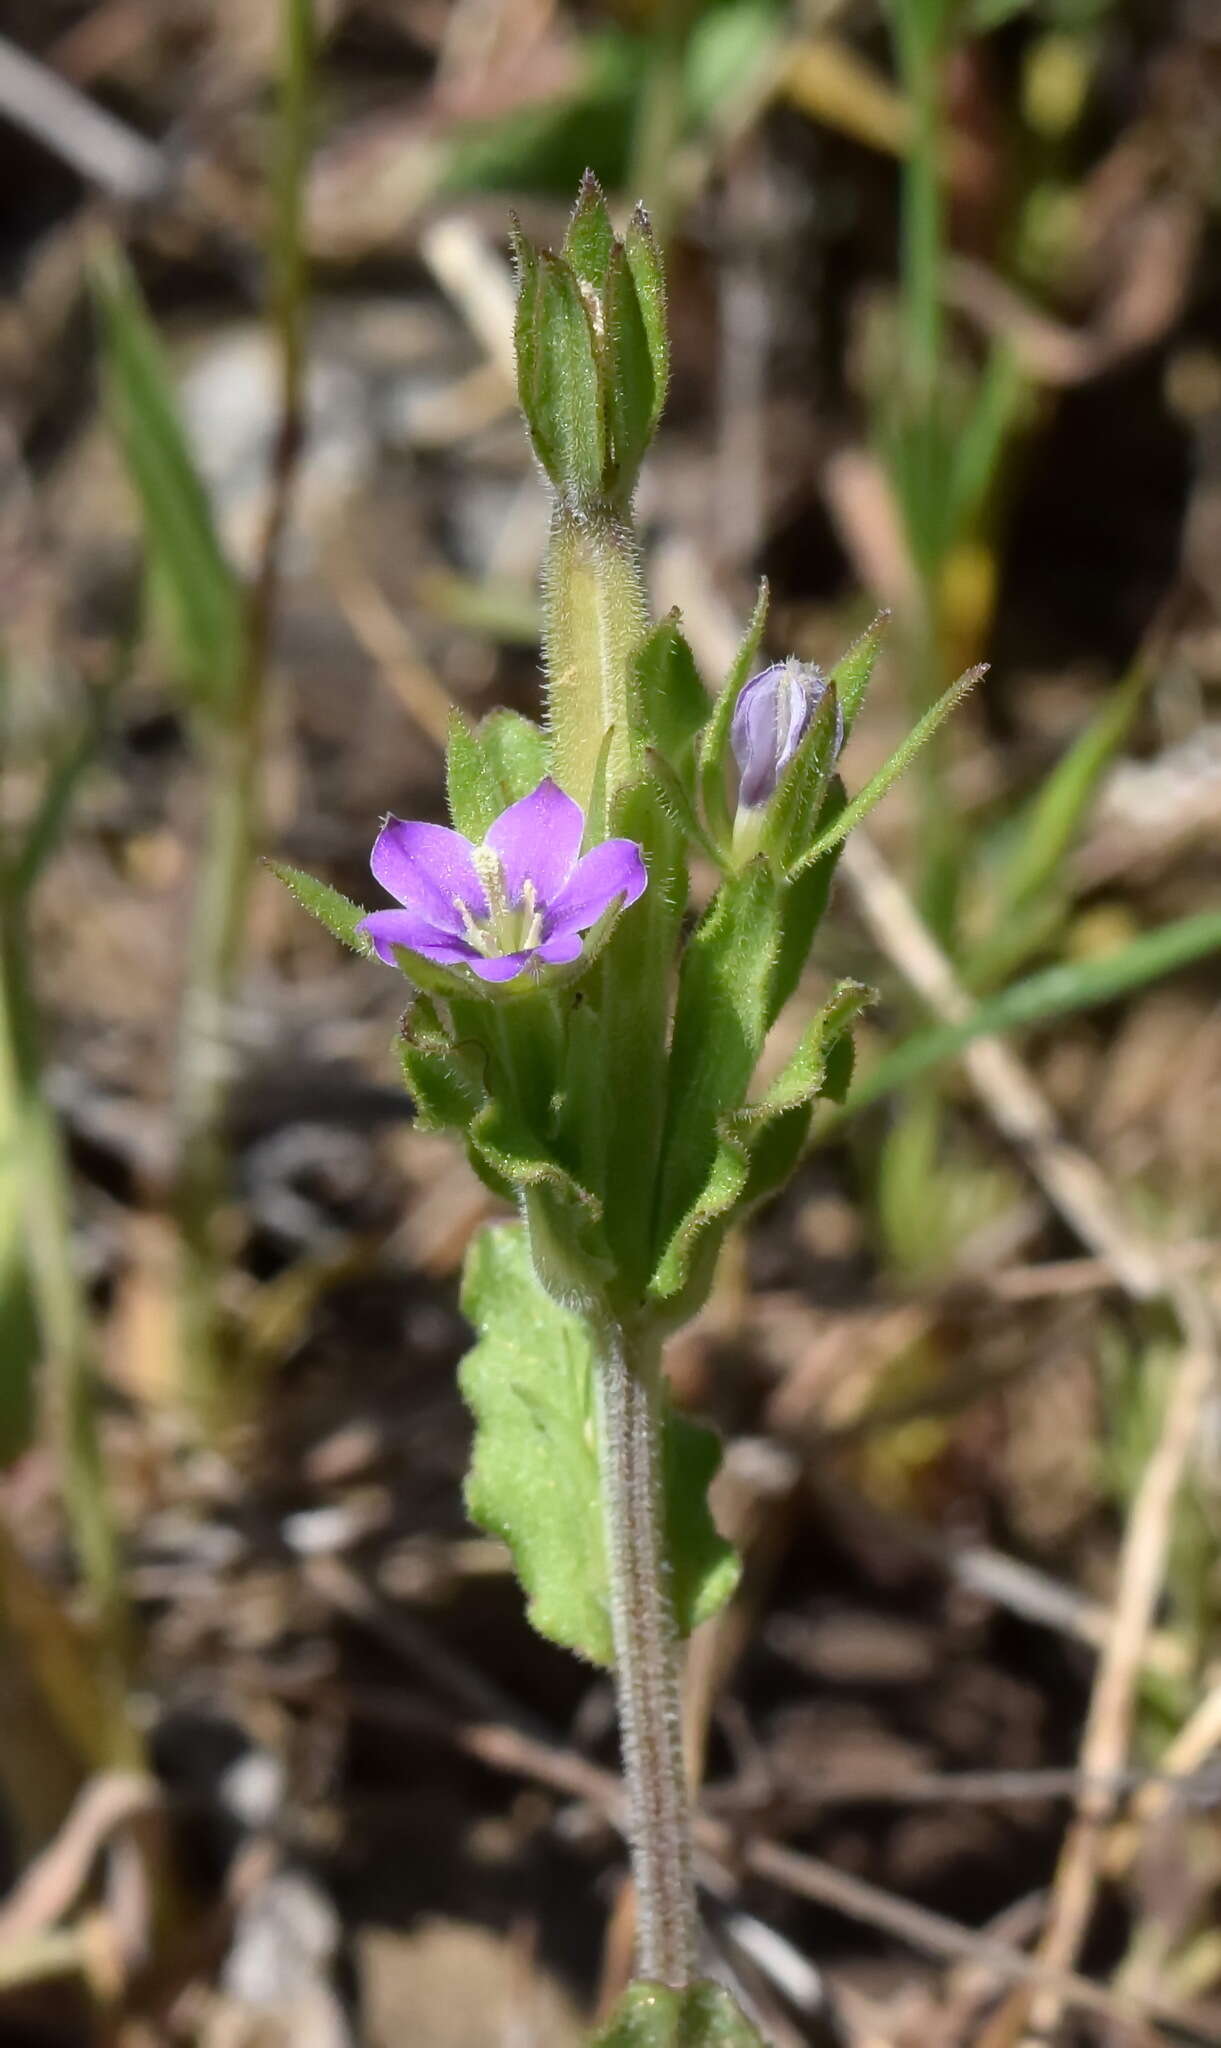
point(563, 946)
point(616, 868)
point(501, 968)
point(430, 870)
point(538, 840)
point(390, 928)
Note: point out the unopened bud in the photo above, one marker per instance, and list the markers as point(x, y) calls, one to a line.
point(770, 720)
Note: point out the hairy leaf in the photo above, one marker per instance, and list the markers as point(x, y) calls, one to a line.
point(720, 1022)
point(852, 671)
point(534, 1473)
point(876, 788)
point(672, 701)
point(337, 912)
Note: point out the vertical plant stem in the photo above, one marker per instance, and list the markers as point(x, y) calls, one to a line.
point(646, 1654)
point(219, 930)
point(594, 617)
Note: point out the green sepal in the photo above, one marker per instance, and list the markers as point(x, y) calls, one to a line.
point(648, 275)
point(631, 390)
point(652, 2016)
point(446, 1080)
point(677, 804)
point(791, 818)
point(515, 750)
point(590, 238)
point(534, 1472)
point(559, 376)
point(852, 671)
point(672, 703)
point(471, 785)
point(337, 912)
point(715, 742)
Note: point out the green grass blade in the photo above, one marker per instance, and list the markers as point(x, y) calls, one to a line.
point(1057, 992)
point(1053, 818)
point(195, 583)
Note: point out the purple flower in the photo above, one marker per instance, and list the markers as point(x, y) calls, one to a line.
point(770, 720)
point(525, 895)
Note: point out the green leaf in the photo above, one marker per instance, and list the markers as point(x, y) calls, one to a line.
point(672, 701)
point(200, 593)
point(559, 377)
point(715, 742)
point(631, 993)
point(1056, 992)
point(341, 917)
point(720, 1022)
point(648, 275)
point(631, 386)
point(652, 2016)
point(757, 1147)
point(803, 909)
point(852, 672)
point(590, 238)
point(472, 784)
point(337, 912)
point(534, 1473)
point(903, 755)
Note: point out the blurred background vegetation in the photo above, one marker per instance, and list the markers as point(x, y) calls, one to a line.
point(279, 1759)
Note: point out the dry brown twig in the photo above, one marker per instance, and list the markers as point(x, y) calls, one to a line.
point(509, 1749)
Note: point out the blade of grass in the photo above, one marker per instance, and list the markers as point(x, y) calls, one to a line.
point(1053, 818)
point(61, 1315)
point(194, 584)
point(1057, 992)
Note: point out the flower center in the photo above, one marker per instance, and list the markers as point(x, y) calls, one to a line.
point(508, 927)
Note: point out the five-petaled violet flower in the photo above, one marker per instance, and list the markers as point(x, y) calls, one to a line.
point(525, 895)
point(770, 720)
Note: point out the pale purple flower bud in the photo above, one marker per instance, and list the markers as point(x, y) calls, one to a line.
point(524, 897)
point(770, 720)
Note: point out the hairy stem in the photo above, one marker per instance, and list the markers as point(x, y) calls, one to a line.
point(594, 619)
point(646, 1654)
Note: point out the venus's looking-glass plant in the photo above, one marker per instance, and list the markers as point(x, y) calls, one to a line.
point(597, 1062)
